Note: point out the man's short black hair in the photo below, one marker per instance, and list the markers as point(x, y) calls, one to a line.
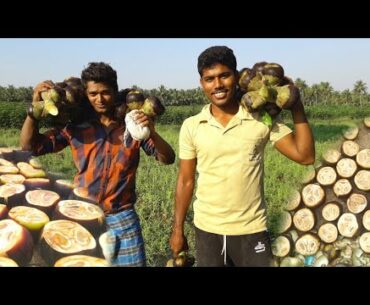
point(100, 72)
point(216, 55)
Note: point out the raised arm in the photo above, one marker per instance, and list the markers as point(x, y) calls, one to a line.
point(165, 152)
point(30, 128)
point(298, 146)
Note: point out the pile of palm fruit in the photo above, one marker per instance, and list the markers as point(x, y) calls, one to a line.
point(66, 102)
point(267, 90)
point(129, 102)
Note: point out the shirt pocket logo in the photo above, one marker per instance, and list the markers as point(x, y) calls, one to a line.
point(252, 150)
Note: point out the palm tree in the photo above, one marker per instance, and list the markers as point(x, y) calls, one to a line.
point(302, 86)
point(360, 89)
point(346, 96)
point(325, 90)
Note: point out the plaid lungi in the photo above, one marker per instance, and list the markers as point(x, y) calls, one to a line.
point(125, 241)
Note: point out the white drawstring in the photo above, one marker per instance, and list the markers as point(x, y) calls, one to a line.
point(224, 250)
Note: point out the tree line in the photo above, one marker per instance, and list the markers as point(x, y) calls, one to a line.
point(322, 93)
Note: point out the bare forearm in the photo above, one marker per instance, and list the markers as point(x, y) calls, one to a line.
point(303, 134)
point(29, 133)
point(165, 153)
point(184, 194)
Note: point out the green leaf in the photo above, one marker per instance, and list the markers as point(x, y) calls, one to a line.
point(266, 118)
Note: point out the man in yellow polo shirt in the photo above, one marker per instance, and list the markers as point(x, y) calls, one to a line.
point(225, 144)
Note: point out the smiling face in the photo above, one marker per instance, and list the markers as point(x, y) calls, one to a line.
point(219, 84)
point(101, 97)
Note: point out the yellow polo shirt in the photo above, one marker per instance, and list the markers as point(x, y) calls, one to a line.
point(229, 194)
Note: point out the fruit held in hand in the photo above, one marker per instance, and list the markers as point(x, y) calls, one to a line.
point(152, 106)
point(136, 131)
point(181, 260)
point(134, 99)
point(266, 89)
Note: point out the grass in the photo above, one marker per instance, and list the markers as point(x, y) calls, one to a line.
point(156, 182)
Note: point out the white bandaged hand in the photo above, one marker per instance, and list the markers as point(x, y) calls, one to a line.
point(136, 131)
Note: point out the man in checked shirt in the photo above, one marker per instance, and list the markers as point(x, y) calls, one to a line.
point(105, 167)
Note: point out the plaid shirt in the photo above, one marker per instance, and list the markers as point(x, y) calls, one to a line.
point(105, 167)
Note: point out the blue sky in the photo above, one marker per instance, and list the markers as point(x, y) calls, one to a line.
point(149, 63)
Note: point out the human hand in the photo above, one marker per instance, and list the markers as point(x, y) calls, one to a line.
point(41, 87)
point(143, 120)
point(297, 106)
point(178, 242)
point(136, 131)
point(38, 108)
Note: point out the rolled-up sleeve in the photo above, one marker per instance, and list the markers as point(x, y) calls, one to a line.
point(279, 130)
point(187, 149)
point(148, 147)
point(53, 140)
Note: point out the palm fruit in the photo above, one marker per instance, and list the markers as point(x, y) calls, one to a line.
point(181, 260)
point(272, 109)
point(55, 94)
point(268, 93)
point(136, 131)
point(255, 81)
point(73, 105)
point(258, 67)
point(273, 74)
point(73, 82)
point(253, 100)
point(53, 98)
point(244, 78)
point(35, 109)
point(49, 108)
point(120, 105)
point(48, 104)
point(267, 88)
point(75, 92)
point(287, 96)
point(184, 260)
point(40, 109)
point(134, 99)
point(152, 106)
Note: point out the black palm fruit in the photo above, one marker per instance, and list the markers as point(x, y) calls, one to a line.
point(35, 109)
point(183, 259)
point(287, 96)
point(268, 93)
point(245, 76)
point(120, 105)
point(252, 100)
point(273, 73)
point(272, 109)
point(255, 82)
point(286, 81)
point(73, 81)
point(153, 106)
point(258, 67)
point(135, 99)
point(60, 84)
point(75, 92)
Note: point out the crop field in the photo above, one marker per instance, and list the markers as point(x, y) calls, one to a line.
point(156, 182)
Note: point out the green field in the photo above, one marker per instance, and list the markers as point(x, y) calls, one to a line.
point(156, 183)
